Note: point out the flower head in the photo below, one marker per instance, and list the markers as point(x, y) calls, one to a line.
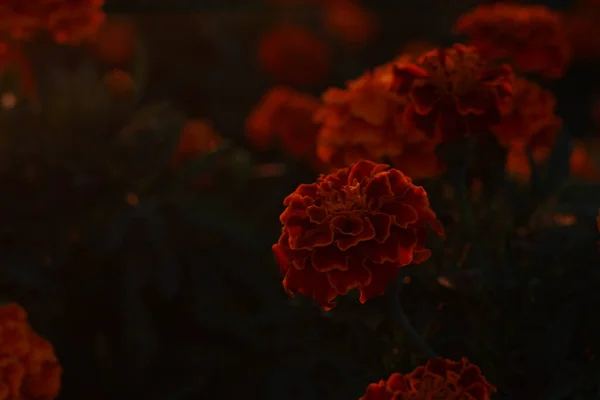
point(286, 116)
point(68, 21)
point(533, 37)
point(350, 22)
point(294, 55)
point(438, 379)
point(532, 121)
point(197, 137)
point(353, 228)
point(364, 121)
point(454, 92)
point(29, 370)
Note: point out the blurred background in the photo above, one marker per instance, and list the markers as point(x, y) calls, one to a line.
point(139, 205)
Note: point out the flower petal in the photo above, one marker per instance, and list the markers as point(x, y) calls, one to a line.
point(356, 276)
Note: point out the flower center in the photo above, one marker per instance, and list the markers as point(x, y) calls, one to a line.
point(348, 199)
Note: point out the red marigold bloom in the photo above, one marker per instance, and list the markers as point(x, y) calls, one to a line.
point(533, 37)
point(286, 116)
point(438, 379)
point(532, 121)
point(353, 228)
point(115, 42)
point(69, 21)
point(350, 22)
point(119, 84)
point(197, 137)
point(364, 121)
point(294, 55)
point(29, 370)
point(581, 162)
point(453, 92)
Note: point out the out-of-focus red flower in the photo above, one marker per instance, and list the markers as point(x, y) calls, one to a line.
point(115, 42)
point(286, 116)
point(581, 163)
point(29, 369)
point(294, 55)
point(197, 137)
point(119, 83)
point(438, 379)
point(518, 164)
point(68, 21)
point(532, 37)
point(454, 93)
point(583, 30)
point(349, 22)
point(354, 228)
point(13, 59)
point(532, 121)
point(364, 121)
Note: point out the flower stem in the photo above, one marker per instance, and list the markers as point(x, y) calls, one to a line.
point(401, 321)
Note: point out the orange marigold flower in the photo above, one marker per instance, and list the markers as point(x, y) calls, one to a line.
point(438, 379)
point(69, 21)
point(532, 37)
point(197, 137)
point(364, 121)
point(453, 92)
point(293, 54)
point(285, 115)
point(353, 228)
point(29, 369)
point(532, 121)
point(349, 22)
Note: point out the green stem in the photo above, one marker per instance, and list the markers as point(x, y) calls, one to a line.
point(401, 321)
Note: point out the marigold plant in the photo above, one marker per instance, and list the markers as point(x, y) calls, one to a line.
point(29, 369)
point(533, 38)
point(294, 55)
point(68, 21)
point(438, 379)
point(364, 121)
point(353, 228)
point(453, 92)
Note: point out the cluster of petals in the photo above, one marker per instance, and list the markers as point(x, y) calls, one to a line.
point(68, 21)
point(365, 121)
point(530, 129)
point(292, 54)
point(453, 92)
point(438, 379)
point(533, 121)
point(29, 369)
point(353, 228)
point(532, 37)
point(285, 116)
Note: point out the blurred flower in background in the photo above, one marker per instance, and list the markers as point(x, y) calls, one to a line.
point(29, 370)
point(532, 38)
point(294, 55)
point(349, 22)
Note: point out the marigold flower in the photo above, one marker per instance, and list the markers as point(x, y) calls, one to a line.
point(581, 163)
point(115, 43)
point(68, 21)
point(353, 228)
point(364, 121)
point(453, 92)
point(294, 55)
point(532, 121)
point(532, 37)
point(286, 116)
point(29, 369)
point(197, 137)
point(438, 379)
point(349, 22)
point(119, 83)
